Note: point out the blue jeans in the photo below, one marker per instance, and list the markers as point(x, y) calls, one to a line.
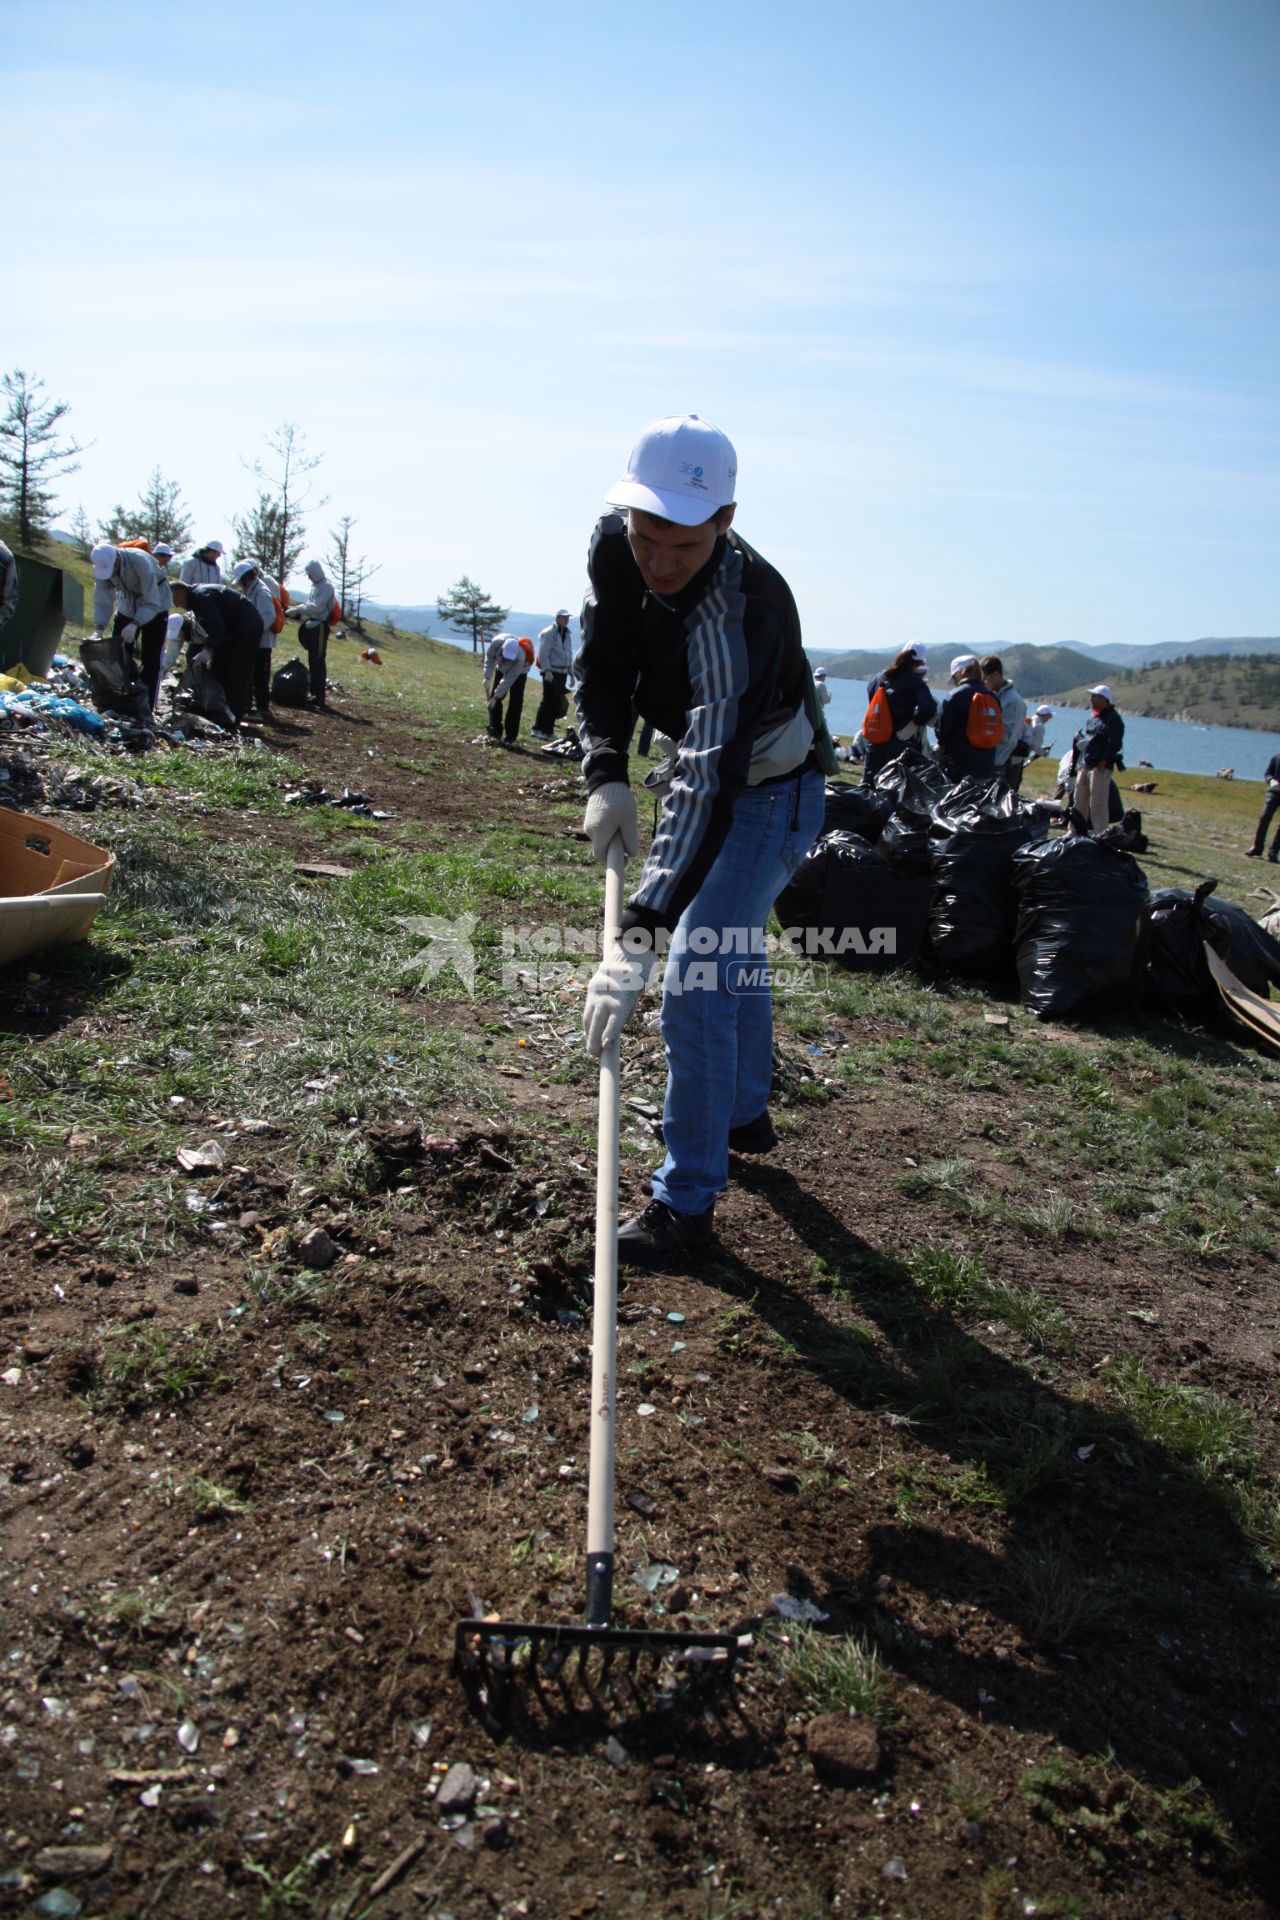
point(717, 1014)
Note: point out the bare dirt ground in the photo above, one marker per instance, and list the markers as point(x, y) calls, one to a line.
point(250, 1709)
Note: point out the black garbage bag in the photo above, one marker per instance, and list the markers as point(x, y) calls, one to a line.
point(851, 809)
point(291, 684)
point(973, 910)
point(845, 904)
point(1176, 974)
point(1082, 925)
point(207, 694)
point(914, 785)
point(567, 748)
point(115, 684)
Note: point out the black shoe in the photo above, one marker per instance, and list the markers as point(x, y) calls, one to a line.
point(757, 1136)
point(661, 1237)
point(1273, 857)
point(1254, 853)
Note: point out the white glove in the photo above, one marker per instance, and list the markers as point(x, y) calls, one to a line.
point(612, 992)
point(129, 631)
point(611, 810)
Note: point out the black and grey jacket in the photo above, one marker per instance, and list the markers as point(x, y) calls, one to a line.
point(719, 669)
point(1103, 739)
point(221, 618)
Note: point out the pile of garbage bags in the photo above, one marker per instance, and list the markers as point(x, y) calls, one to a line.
point(963, 879)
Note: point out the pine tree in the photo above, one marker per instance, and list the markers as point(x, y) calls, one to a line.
point(31, 456)
point(469, 607)
point(274, 532)
point(348, 573)
point(159, 515)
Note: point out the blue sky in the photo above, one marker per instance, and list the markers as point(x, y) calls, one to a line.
point(985, 294)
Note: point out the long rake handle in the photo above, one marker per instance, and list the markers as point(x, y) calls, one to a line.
point(604, 1318)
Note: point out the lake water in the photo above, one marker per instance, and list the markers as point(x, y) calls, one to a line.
point(1174, 746)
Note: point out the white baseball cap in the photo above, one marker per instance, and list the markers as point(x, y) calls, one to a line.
point(819, 673)
point(961, 663)
point(103, 562)
point(242, 568)
point(1045, 713)
point(213, 546)
point(681, 468)
point(562, 613)
point(162, 550)
point(510, 649)
point(1104, 692)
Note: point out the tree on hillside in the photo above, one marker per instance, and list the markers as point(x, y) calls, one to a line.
point(159, 515)
point(81, 532)
point(469, 608)
point(348, 573)
point(274, 530)
point(32, 455)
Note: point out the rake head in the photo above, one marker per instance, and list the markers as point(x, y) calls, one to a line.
point(584, 1668)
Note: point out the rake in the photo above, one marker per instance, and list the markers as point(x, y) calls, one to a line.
point(595, 1655)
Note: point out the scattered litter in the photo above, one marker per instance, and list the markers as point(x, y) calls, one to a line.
point(800, 1611)
point(58, 1904)
point(657, 1574)
point(209, 1157)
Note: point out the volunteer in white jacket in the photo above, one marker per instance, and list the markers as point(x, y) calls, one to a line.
point(1011, 754)
point(247, 575)
point(506, 666)
point(126, 583)
point(315, 617)
point(204, 568)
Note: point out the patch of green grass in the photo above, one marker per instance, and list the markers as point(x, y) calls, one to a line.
point(144, 1366)
point(210, 1500)
point(1052, 1599)
point(1193, 1821)
point(134, 1611)
point(1208, 1433)
point(956, 1281)
point(831, 1673)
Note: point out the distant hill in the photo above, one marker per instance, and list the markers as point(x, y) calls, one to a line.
point(1036, 671)
point(427, 620)
point(1235, 690)
point(1127, 656)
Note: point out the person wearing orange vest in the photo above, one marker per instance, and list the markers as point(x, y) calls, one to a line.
point(911, 704)
point(506, 668)
point(955, 750)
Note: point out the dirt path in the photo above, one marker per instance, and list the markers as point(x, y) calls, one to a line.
point(235, 1565)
